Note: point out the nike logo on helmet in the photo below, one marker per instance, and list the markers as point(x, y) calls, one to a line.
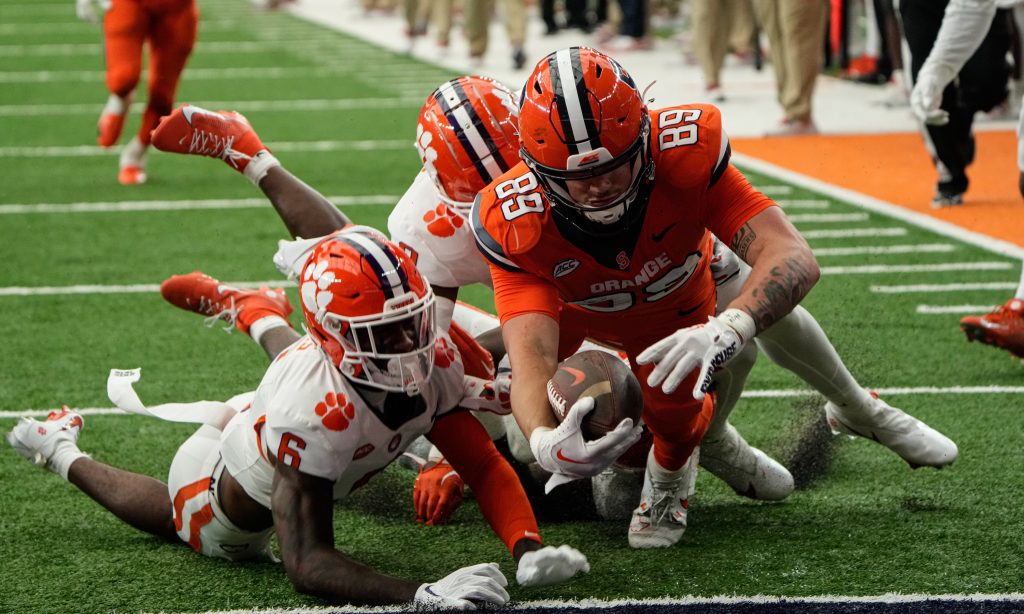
point(563, 457)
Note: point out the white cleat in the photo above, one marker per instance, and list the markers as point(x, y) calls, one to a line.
point(660, 519)
point(37, 441)
point(747, 470)
point(915, 442)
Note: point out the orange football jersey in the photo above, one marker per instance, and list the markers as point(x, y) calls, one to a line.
point(654, 275)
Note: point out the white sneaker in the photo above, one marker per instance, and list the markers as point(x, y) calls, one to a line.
point(747, 470)
point(37, 441)
point(915, 442)
point(660, 519)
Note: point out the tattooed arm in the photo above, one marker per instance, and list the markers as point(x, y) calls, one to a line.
point(783, 267)
point(303, 510)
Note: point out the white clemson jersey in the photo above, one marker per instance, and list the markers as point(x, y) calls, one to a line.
point(437, 238)
point(308, 415)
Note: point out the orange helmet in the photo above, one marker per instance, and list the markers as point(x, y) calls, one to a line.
point(581, 116)
point(369, 310)
point(467, 137)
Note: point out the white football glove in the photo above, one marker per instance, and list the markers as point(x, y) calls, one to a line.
point(458, 590)
point(550, 565)
point(926, 98)
point(567, 456)
point(89, 10)
point(708, 346)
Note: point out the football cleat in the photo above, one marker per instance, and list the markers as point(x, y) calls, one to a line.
point(37, 441)
point(747, 470)
point(202, 294)
point(915, 442)
point(660, 519)
point(1003, 328)
point(226, 135)
point(111, 122)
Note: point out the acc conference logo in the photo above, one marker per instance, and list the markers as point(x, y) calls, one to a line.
point(565, 267)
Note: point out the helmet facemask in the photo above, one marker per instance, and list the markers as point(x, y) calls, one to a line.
point(391, 351)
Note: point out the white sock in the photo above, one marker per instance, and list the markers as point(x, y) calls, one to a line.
point(260, 327)
point(660, 475)
point(117, 105)
point(133, 154)
point(797, 343)
point(259, 166)
point(63, 455)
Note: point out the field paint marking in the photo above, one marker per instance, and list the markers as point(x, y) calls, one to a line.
point(195, 74)
point(849, 233)
point(78, 49)
point(77, 151)
point(179, 205)
point(340, 104)
point(747, 394)
point(932, 310)
point(122, 289)
point(904, 289)
point(990, 244)
point(916, 268)
point(777, 190)
point(803, 204)
point(827, 217)
point(76, 27)
point(923, 248)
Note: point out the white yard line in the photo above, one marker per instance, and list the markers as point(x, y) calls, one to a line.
point(922, 248)
point(211, 74)
point(747, 394)
point(178, 205)
point(805, 218)
point(245, 106)
point(803, 204)
point(75, 27)
point(933, 310)
point(775, 190)
point(909, 288)
point(121, 289)
point(870, 269)
point(852, 233)
point(920, 220)
point(77, 151)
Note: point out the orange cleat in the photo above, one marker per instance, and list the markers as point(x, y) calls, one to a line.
point(1003, 328)
point(202, 294)
point(223, 134)
point(109, 128)
point(131, 175)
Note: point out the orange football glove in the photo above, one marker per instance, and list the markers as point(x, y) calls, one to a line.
point(437, 493)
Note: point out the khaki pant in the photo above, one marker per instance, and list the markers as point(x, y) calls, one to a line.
point(719, 25)
point(796, 33)
point(478, 17)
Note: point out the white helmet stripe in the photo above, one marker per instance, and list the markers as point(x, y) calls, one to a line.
point(573, 107)
point(386, 267)
point(469, 128)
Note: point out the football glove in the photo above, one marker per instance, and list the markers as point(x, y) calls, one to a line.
point(708, 346)
point(564, 453)
point(90, 10)
point(483, 583)
point(550, 565)
point(437, 493)
point(926, 98)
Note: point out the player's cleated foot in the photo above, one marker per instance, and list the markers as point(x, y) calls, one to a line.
point(39, 441)
point(132, 169)
point(111, 122)
point(660, 519)
point(747, 470)
point(915, 442)
point(226, 135)
point(1003, 328)
point(202, 294)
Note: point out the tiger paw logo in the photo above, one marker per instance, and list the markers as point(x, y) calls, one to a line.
point(442, 221)
point(314, 292)
point(444, 355)
point(335, 411)
point(428, 155)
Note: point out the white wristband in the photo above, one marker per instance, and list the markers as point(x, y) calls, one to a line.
point(260, 165)
point(741, 322)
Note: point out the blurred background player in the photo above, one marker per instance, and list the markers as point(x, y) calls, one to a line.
point(332, 410)
point(170, 28)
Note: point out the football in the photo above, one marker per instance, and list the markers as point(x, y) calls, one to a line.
point(605, 377)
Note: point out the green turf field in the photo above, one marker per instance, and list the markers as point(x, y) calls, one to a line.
point(865, 525)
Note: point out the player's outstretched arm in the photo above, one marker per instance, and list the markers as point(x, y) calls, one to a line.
point(303, 512)
point(228, 136)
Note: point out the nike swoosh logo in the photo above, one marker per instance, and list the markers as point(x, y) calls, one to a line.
point(576, 373)
point(187, 113)
point(658, 236)
point(563, 457)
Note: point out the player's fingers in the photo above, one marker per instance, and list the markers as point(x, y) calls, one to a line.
point(655, 351)
point(679, 372)
point(580, 409)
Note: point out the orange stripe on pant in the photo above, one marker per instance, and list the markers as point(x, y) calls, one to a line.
point(198, 519)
